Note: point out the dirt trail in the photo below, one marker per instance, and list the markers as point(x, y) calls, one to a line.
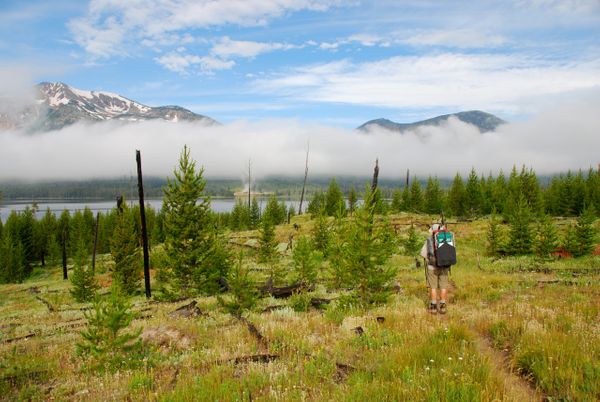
point(516, 387)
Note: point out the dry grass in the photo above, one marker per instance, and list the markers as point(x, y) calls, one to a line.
point(511, 334)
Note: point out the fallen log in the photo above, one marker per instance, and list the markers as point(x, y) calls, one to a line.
point(268, 309)
point(284, 291)
point(259, 358)
point(19, 338)
point(342, 371)
point(254, 331)
point(317, 302)
point(51, 308)
point(190, 310)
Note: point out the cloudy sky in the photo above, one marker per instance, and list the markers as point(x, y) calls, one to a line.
point(333, 62)
point(280, 74)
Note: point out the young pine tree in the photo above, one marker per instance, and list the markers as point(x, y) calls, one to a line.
point(396, 201)
point(494, 236)
point(240, 216)
point(189, 228)
point(473, 194)
point(546, 240)
point(108, 343)
point(416, 197)
point(124, 248)
point(434, 201)
point(520, 233)
point(244, 295)
point(321, 234)
point(352, 199)
point(334, 199)
point(46, 230)
point(267, 251)
point(456, 196)
point(569, 240)
point(365, 249)
point(254, 214)
point(12, 258)
point(306, 261)
point(412, 244)
point(316, 204)
point(585, 232)
point(275, 211)
point(83, 279)
point(406, 201)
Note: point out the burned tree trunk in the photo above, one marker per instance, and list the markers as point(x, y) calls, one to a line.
point(249, 183)
point(374, 181)
point(138, 158)
point(64, 254)
point(284, 291)
point(304, 184)
point(95, 243)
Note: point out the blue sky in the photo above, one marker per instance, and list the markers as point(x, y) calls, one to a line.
point(333, 62)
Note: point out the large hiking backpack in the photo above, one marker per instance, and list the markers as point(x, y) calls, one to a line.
point(444, 248)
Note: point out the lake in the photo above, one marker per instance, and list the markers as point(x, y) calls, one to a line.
point(58, 206)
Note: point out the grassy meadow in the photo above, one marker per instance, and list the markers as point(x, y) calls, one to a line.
point(516, 330)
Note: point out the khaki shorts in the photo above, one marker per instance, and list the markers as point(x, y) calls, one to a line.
point(437, 277)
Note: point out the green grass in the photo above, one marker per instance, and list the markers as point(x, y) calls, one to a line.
point(513, 332)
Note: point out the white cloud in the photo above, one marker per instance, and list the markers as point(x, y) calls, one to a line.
point(227, 48)
point(459, 81)
point(182, 63)
point(561, 138)
point(221, 53)
point(560, 6)
point(459, 38)
point(110, 25)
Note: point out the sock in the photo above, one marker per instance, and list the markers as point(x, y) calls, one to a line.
point(433, 302)
point(442, 301)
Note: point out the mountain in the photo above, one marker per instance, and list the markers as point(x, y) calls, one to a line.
point(483, 121)
point(58, 105)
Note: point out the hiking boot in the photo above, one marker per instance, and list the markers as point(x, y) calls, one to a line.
point(433, 308)
point(442, 309)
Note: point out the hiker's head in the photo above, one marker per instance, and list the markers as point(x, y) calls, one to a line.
point(434, 227)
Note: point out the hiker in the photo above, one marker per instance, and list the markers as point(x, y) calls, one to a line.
point(437, 278)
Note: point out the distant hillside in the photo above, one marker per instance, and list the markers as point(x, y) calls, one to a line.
point(58, 105)
point(483, 121)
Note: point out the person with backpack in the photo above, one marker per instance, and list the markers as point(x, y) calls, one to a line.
point(439, 253)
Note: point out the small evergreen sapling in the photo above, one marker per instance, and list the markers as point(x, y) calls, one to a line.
point(334, 199)
point(352, 199)
point(12, 259)
point(585, 233)
point(189, 228)
point(125, 250)
point(267, 251)
point(254, 214)
point(244, 295)
point(83, 279)
point(321, 234)
point(520, 233)
point(569, 240)
point(495, 236)
point(365, 248)
point(107, 342)
point(306, 261)
point(413, 243)
point(546, 240)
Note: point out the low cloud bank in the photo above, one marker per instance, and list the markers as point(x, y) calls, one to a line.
point(564, 137)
